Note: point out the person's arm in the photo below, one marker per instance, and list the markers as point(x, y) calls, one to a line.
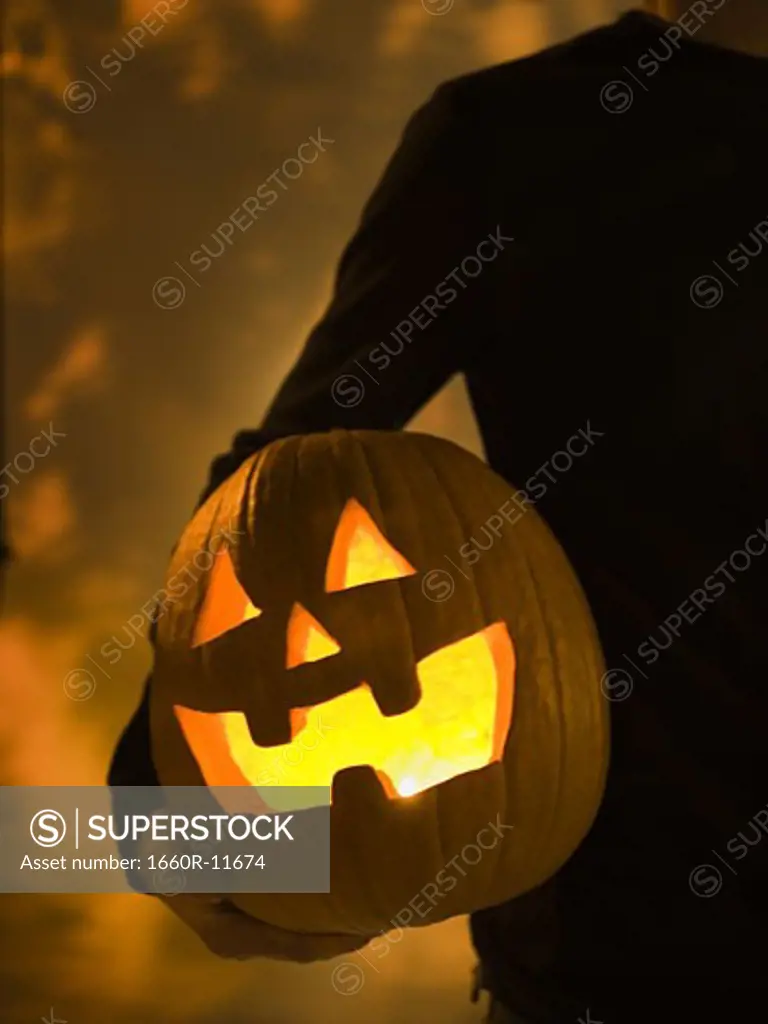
point(428, 212)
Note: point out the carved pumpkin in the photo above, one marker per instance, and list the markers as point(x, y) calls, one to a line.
point(430, 719)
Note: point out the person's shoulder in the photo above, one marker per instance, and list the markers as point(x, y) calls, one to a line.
point(468, 113)
point(546, 65)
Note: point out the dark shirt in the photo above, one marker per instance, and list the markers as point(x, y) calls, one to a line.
point(598, 317)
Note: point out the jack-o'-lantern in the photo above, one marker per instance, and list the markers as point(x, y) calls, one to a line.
point(339, 639)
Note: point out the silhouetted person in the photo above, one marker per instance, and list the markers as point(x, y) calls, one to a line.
point(584, 235)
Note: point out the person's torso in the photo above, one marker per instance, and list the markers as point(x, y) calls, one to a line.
point(624, 387)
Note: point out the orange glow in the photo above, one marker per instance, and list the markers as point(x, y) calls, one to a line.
point(460, 725)
point(361, 554)
point(226, 605)
point(306, 639)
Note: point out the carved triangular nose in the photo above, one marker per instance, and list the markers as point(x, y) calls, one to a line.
point(306, 639)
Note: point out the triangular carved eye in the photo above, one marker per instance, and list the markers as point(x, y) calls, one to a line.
point(225, 605)
point(361, 554)
point(306, 639)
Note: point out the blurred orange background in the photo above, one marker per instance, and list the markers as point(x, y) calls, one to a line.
point(108, 186)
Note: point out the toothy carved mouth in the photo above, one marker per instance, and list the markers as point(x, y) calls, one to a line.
point(460, 725)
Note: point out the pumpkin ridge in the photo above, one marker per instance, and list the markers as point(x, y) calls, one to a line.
point(424, 442)
point(354, 851)
point(547, 629)
point(401, 604)
point(356, 863)
point(490, 874)
point(360, 439)
point(298, 538)
point(419, 448)
point(250, 487)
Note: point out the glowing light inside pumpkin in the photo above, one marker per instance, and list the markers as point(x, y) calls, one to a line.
point(460, 724)
point(408, 786)
point(307, 640)
point(361, 554)
point(225, 605)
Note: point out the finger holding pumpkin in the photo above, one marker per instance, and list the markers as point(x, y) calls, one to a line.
point(232, 934)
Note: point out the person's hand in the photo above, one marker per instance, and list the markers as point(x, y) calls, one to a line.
point(230, 933)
